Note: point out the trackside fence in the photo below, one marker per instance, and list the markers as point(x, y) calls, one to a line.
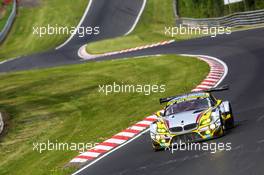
point(9, 22)
point(234, 20)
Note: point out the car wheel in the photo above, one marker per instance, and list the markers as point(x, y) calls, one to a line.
point(229, 123)
point(222, 128)
point(156, 146)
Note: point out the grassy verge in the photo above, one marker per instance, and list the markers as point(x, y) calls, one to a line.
point(21, 40)
point(157, 15)
point(63, 105)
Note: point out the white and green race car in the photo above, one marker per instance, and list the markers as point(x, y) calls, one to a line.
point(191, 117)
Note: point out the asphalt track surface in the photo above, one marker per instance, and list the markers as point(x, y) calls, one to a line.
point(243, 52)
point(114, 17)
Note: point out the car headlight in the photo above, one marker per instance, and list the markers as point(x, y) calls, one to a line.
point(206, 120)
point(212, 126)
point(161, 130)
point(160, 137)
point(157, 137)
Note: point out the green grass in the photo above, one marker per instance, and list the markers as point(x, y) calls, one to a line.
point(6, 16)
point(63, 104)
point(213, 8)
point(21, 40)
point(157, 15)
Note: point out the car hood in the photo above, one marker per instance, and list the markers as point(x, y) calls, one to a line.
point(183, 118)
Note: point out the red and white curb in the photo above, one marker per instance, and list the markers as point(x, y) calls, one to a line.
point(218, 71)
point(114, 141)
point(82, 53)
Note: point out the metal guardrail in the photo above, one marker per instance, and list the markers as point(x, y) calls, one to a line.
point(233, 20)
point(9, 22)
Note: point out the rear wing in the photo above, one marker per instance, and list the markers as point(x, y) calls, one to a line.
point(216, 89)
point(167, 99)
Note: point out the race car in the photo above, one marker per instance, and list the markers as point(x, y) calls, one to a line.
point(192, 117)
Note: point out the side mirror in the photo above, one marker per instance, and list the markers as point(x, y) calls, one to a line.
point(160, 113)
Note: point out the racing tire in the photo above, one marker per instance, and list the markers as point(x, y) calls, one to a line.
point(222, 128)
point(156, 146)
point(229, 123)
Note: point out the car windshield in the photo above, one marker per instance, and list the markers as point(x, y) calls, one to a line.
point(187, 106)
